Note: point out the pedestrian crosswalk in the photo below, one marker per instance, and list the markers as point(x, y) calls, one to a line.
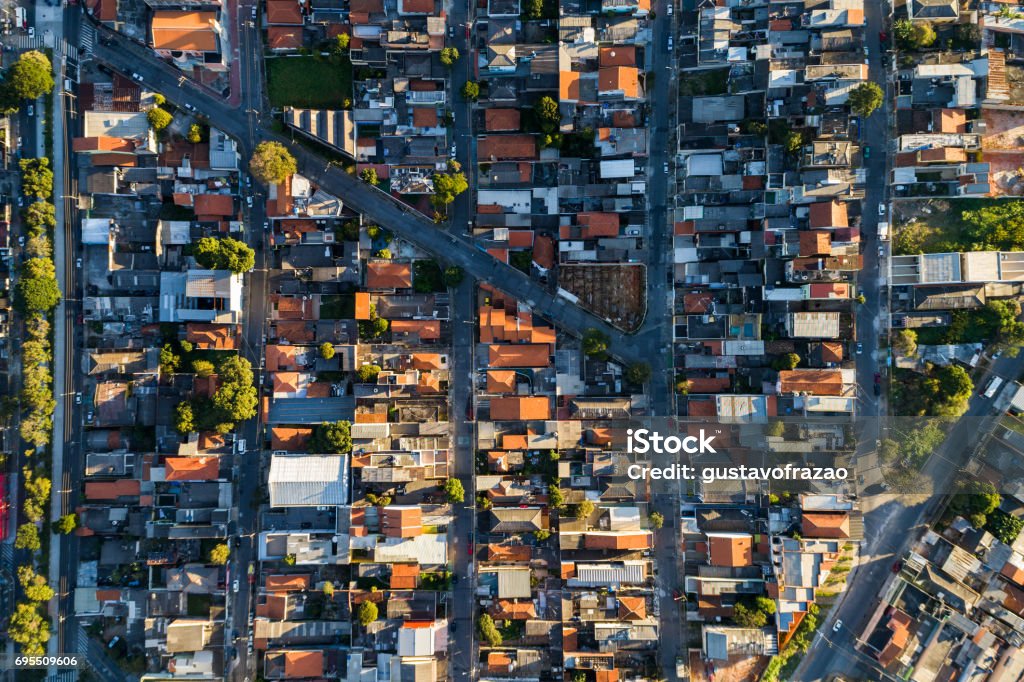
point(86, 37)
point(64, 676)
point(20, 41)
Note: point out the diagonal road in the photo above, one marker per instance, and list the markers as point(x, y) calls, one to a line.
point(128, 57)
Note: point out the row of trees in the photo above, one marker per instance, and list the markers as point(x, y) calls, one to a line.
point(29, 78)
point(37, 402)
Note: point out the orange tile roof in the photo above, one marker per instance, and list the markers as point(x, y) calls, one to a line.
point(417, 6)
point(499, 147)
point(102, 144)
point(731, 550)
point(501, 119)
point(499, 324)
point(825, 525)
point(519, 355)
point(384, 274)
point(519, 239)
point(619, 55)
point(510, 609)
point(569, 86)
point(596, 224)
point(111, 490)
point(544, 251)
point(632, 608)
point(214, 204)
point(402, 522)
point(815, 243)
point(621, 541)
point(950, 120)
point(404, 576)
point(212, 336)
point(362, 305)
point(427, 330)
point(501, 381)
point(514, 441)
point(290, 439)
point(283, 12)
point(520, 408)
point(511, 553)
point(115, 159)
point(298, 664)
point(499, 662)
point(812, 381)
point(288, 583)
point(284, 37)
point(619, 78)
point(191, 468)
point(424, 117)
point(184, 30)
point(426, 361)
point(280, 357)
point(829, 214)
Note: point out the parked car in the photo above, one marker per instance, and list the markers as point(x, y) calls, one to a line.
point(78, 263)
point(881, 208)
point(78, 399)
point(137, 77)
point(234, 586)
point(248, 201)
point(31, 110)
point(189, 107)
point(867, 151)
point(838, 626)
point(860, 348)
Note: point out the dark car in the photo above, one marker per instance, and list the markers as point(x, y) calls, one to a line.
point(878, 390)
point(878, 378)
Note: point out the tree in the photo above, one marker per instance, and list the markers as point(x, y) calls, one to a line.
point(449, 56)
point(31, 76)
point(328, 589)
point(447, 186)
point(1005, 527)
point(775, 428)
point(340, 46)
point(36, 290)
point(202, 368)
point(539, 535)
point(27, 537)
point(656, 520)
point(66, 524)
point(271, 163)
point(158, 119)
point(638, 373)
point(384, 253)
point(453, 276)
point(38, 246)
point(327, 350)
point(159, 99)
point(533, 9)
point(219, 554)
point(37, 178)
point(996, 227)
point(366, 613)
point(224, 254)
point(786, 362)
point(289, 560)
point(555, 498)
point(374, 327)
point(595, 342)
point(748, 617)
point(28, 628)
point(922, 34)
point(583, 510)
point(888, 451)
point(169, 361)
point(948, 390)
point(968, 35)
point(39, 216)
point(368, 373)
point(682, 384)
point(975, 498)
point(195, 133)
point(865, 99)
point(369, 175)
point(548, 114)
point(471, 91)
point(904, 342)
point(184, 419)
point(488, 630)
point(331, 438)
point(34, 585)
point(794, 142)
point(453, 490)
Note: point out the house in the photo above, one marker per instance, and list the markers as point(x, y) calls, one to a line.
point(210, 296)
point(520, 408)
point(194, 32)
point(308, 480)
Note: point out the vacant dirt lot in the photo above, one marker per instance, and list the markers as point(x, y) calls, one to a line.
point(615, 292)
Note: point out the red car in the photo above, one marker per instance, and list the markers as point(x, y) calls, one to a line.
point(469, 547)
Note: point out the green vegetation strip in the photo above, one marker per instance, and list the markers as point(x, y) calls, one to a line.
point(316, 82)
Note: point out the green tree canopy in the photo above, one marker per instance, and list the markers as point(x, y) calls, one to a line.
point(195, 133)
point(488, 630)
point(785, 362)
point(366, 613)
point(453, 276)
point(471, 91)
point(158, 118)
point(34, 585)
point(169, 360)
point(271, 163)
point(340, 45)
point(36, 290)
point(39, 216)
point(219, 554)
point(656, 520)
point(548, 114)
point(369, 175)
point(583, 510)
point(975, 500)
point(36, 178)
point(453, 490)
point(66, 524)
point(27, 537)
point(447, 186)
point(449, 56)
point(31, 76)
point(638, 373)
point(331, 438)
point(29, 628)
point(368, 373)
point(865, 98)
point(555, 497)
point(1004, 526)
point(595, 342)
point(224, 254)
point(202, 368)
point(327, 350)
point(904, 342)
point(184, 419)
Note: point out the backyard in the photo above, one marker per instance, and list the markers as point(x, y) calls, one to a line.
point(313, 82)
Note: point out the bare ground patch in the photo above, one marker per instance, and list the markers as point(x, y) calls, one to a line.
point(615, 292)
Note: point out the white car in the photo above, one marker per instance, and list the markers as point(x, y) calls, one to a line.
point(881, 209)
point(665, 168)
point(234, 585)
point(78, 263)
point(248, 201)
point(190, 107)
point(670, 43)
point(838, 626)
point(31, 110)
point(31, 31)
point(78, 399)
point(137, 77)
point(453, 151)
point(881, 251)
point(670, 9)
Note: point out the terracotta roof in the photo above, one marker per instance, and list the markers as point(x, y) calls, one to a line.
point(362, 305)
point(499, 662)
point(825, 525)
point(499, 147)
point(619, 541)
point(596, 224)
point(287, 583)
point(731, 549)
point(510, 553)
point(544, 251)
point(366, 6)
point(281, 357)
point(568, 86)
point(501, 381)
point(520, 408)
point(426, 361)
point(1014, 572)
point(298, 664)
point(102, 144)
point(950, 120)
point(191, 468)
point(512, 325)
point(518, 239)
point(284, 37)
point(383, 274)
point(829, 214)
point(291, 307)
point(283, 12)
point(619, 55)
point(184, 30)
point(427, 330)
point(815, 243)
point(214, 204)
point(424, 117)
point(417, 6)
point(290, 439)
point(111, 490)
point(812, 381)
point(212, 336)
point(510, 609)
point(519, 355)
point(404, 576)
point(836, 290)
point(632, 608)
point(402, 522)
point(501, 119)
point(619, 78)
point(831, 351)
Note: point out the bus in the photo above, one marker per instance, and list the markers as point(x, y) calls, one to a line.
point(993, 386)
